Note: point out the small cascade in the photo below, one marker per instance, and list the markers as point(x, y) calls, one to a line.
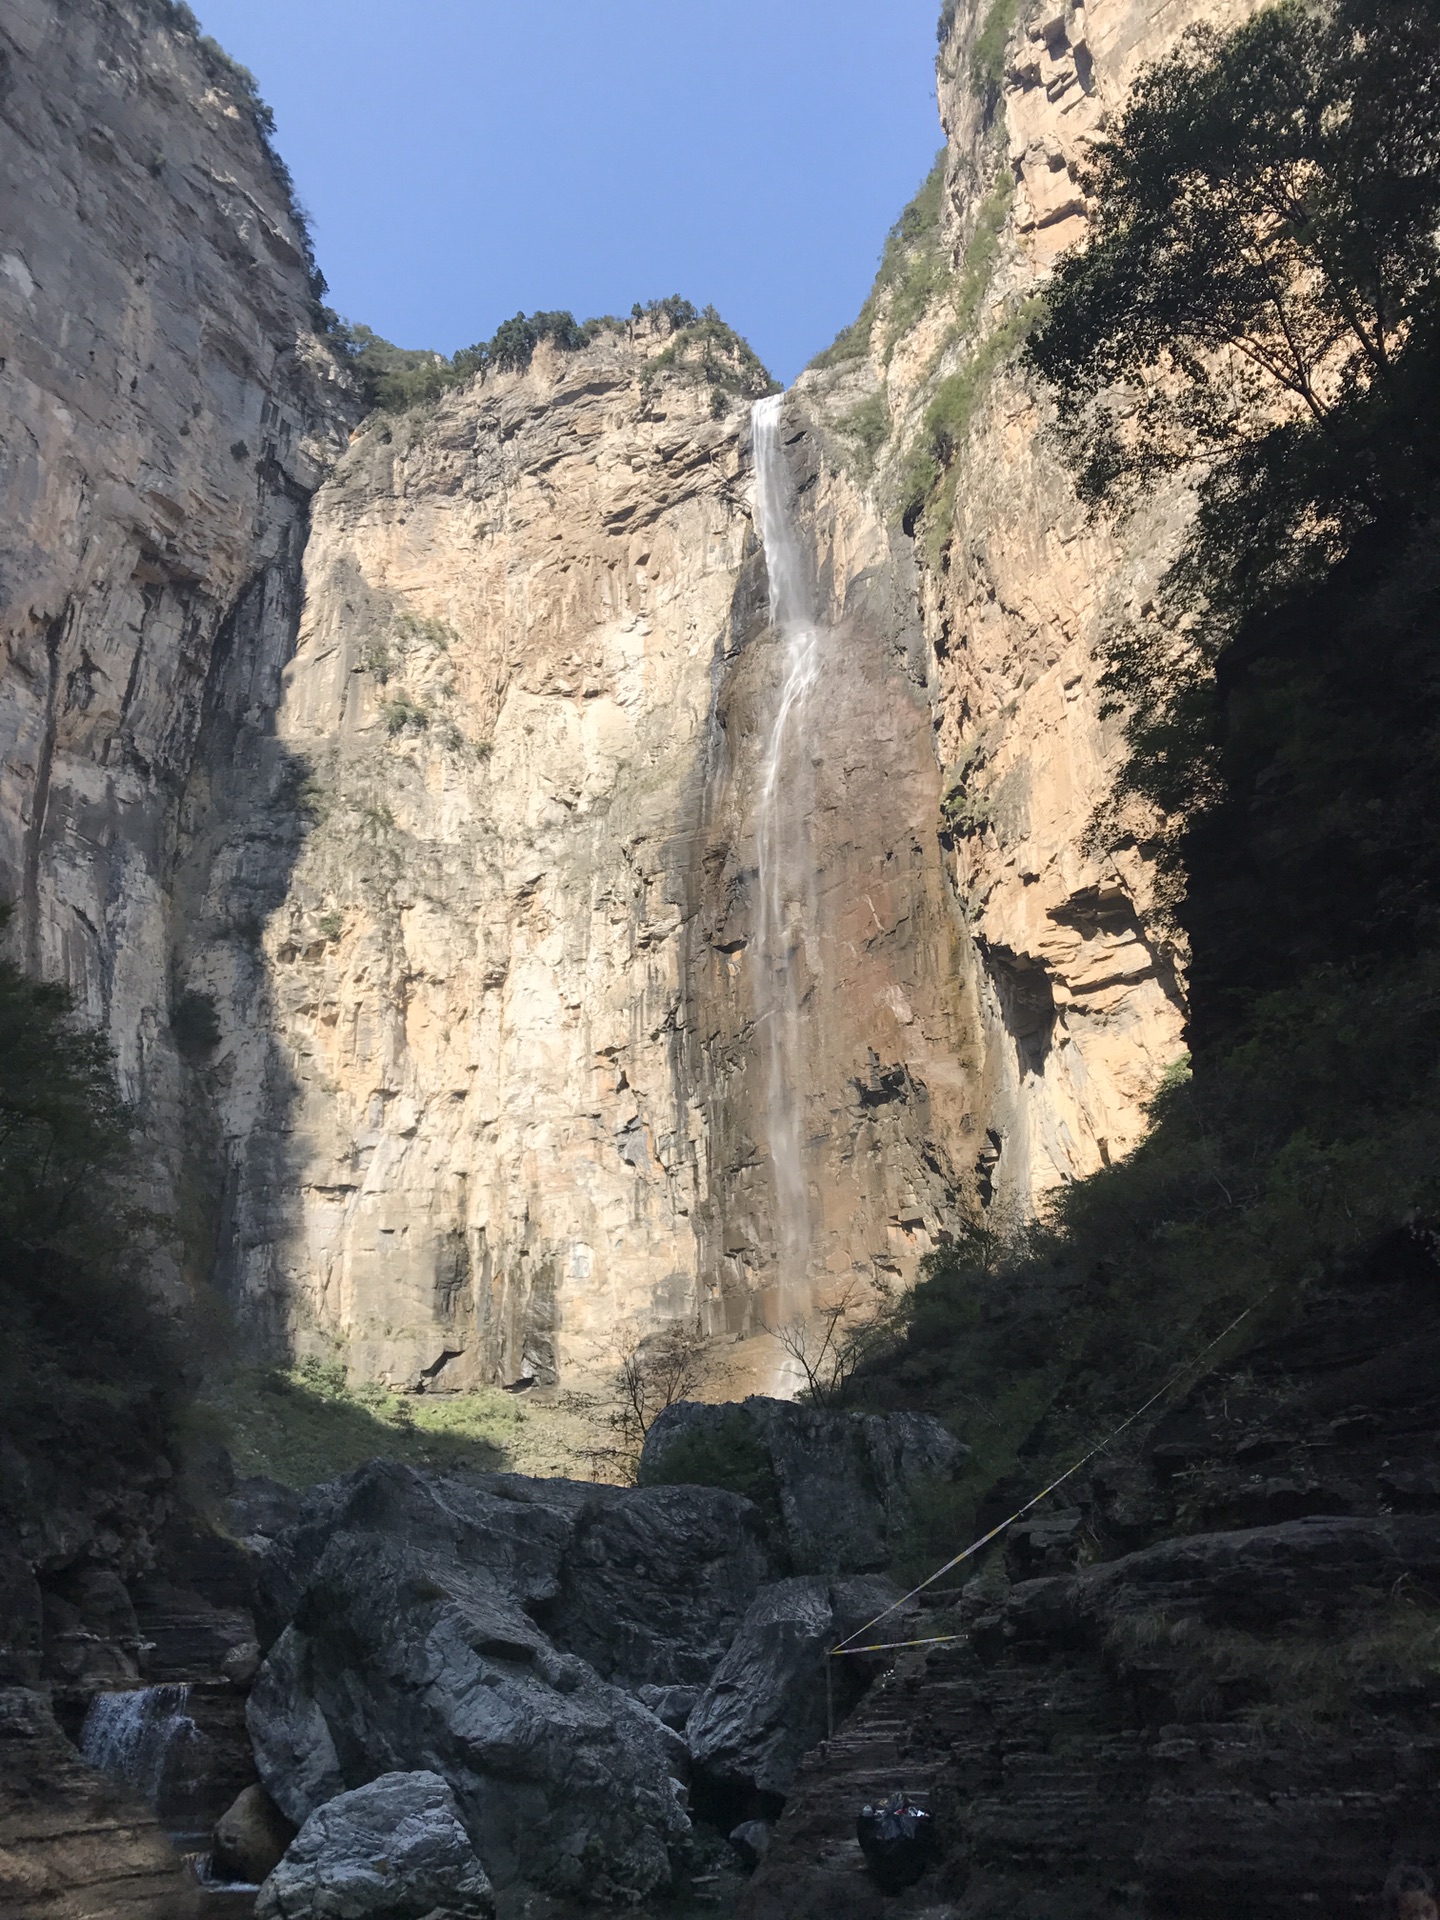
point(146, 1738)
point(786, 905)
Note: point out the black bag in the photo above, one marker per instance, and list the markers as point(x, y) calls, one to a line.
point(897, 1841)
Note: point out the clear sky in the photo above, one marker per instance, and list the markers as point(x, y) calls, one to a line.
point(464, 159)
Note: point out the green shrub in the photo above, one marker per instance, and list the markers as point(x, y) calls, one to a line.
point(948, 419)
point(910, 270)
point(867, 425)
point(89, 1373)
point(403, 712)
point(987, 63)
point(977, 269)
point(311, 1424)
point(707, 349)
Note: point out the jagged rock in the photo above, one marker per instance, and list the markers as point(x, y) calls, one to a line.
point(765, 1707)
point(241, 1663)
point(261, 1508)
point(516, 1528)
point(1236, 1721)
point(250, 1838)
point(654, 1586)
point(673, 1705)
point(843, 1480)
point(1254, 1579)
point(411, 1644)
point(392, 1850)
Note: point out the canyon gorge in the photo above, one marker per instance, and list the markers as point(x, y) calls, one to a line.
point(538, 890)
point(391, 789)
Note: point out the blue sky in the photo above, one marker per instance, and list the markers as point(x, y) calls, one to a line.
point(463, 159)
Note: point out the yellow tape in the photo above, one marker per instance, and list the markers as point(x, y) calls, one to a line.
point(1045, 1492)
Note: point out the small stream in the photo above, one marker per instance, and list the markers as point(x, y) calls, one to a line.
point(148, 1739)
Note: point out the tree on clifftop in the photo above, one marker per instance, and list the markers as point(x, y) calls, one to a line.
point(1261, 290)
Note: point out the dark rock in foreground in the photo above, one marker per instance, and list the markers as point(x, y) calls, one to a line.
point(1231, 1721)
point(392, 1850)
point(765, 1706)
point(842, 1481)
point(411, 1647)
point(572, 1660)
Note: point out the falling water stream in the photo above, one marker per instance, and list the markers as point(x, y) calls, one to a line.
point(140, 1736)
point(785, 908)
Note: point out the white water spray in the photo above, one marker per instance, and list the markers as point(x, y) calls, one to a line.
point(138, 1736)
point(785, 908)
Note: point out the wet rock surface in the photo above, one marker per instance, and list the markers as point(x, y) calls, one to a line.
point(75, 1845)
point(250, 1838)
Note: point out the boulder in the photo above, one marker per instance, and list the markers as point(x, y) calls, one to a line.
point(250, 1838)
point(751, 1841)
point(843, 1481)
point(516, 1529)
point(765, 1706)
point(673, 1705)
point(392, 1850)
point(259, 1509)
point(654, 1584)
point(411, 1646)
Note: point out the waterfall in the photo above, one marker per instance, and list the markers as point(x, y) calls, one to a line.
point(785, 878)
point(140, 1736)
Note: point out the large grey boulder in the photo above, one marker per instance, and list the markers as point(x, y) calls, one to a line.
point(392, 1850)
point(516, 1529)
point(843, 1481)
point(655, 1584)
point(765, 1706)
point(431, 1625)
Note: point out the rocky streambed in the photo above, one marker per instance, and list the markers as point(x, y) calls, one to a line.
point(468, 1694)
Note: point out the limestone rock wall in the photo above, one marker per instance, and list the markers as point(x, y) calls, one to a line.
point(517, 1118)
point(419, 894)
point(165, 413)
point(889, 1056)
point(1080, 983)
point(481, 1129)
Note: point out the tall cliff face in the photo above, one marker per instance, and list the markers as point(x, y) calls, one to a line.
point(509, 1114)
point(430, 938)
point(1079, 976)
point(167, 414)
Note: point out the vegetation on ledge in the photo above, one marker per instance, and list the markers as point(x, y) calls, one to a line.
point(393, 379)
point(911, 270)
point(1259, 311)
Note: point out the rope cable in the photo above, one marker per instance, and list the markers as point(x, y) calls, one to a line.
point(845, 1646)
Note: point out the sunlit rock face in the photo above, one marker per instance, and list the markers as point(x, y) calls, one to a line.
point(405, 837)
point(165, 413)
point(1079, 977)
point(520, 1114)
point(1083, 978)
